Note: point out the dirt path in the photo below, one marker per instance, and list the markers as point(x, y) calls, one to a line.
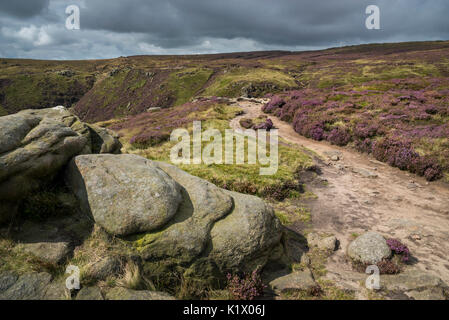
point(365, 194)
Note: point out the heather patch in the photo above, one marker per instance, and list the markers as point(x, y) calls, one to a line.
point(245, 286)
point(401, 125)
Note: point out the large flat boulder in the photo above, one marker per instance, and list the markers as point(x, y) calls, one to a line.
point(30, 286)
point(414, 284)
point(124, 193)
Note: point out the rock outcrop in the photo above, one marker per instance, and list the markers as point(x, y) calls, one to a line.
point(31, 286)
point(171, 224)
point(414, 284)
point(178, 220)
point(36, 144)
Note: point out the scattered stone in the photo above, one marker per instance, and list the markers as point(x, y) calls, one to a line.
point(7, 279)
point(51, 252)
point(299, 281)
point(66, 73)
point(153, 109)
point(365, 173)
point(415, 284)
point(413, 185)
point(370, 248)
point(415, 237)
point(104, 140)
point(120, 293)
point(57, 290)
point(326, 243)
point(89, 293)
point(30, 286)
point(333, 155)
point(103, 268)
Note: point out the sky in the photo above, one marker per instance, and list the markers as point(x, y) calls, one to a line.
point(111, 28)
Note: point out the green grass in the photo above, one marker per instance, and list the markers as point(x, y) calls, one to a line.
point(230, 84)
point(244, 178)
point(3, 112)
point(186, 83)
point(21, 262)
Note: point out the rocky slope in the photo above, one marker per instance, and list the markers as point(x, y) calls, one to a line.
point(169, 223)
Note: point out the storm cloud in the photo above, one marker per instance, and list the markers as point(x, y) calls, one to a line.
point(111, 28)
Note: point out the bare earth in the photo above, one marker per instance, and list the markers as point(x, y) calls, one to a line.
point(364, 194)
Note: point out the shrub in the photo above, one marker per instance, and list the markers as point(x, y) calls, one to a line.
point(247, 287)
point(399, 248)
point(363, 130)
point(246, 123)
point(282, 191)
point(275, 103)
point(317, 132)
point(148, 139)
point(364, 145)
point(401, 154)
point(431, 109)
point(388, 267)
point(339, 136)
point(267, 125)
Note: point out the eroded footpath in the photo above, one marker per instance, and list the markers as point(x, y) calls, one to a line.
point(363, 194)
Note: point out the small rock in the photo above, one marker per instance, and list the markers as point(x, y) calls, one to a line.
point(370, 247)
point(305, 260)
point(7, 279)
point(52, 252)
point(119, 293)
point(30, 286)
point(335, 158)
point(364, 173)
point(153, 109)
point(103, 268)
point(327, 243)
point(89, 293)
point(57, 291)
point(412, 186)
point(294, 282)
point(415, 237)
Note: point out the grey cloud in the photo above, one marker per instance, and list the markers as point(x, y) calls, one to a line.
point(23, 8)
point(112, 28)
